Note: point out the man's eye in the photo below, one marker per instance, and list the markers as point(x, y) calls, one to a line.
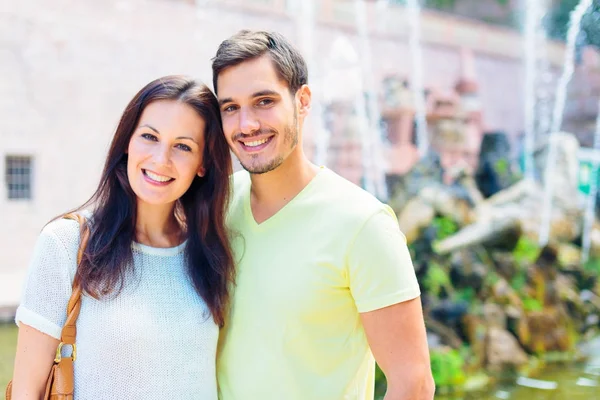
point(184, 147)
point(265, 102)
point(229, 109)
point(149, 136)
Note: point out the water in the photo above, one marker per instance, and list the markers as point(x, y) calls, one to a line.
point(305, 25)
point(533, 19)
point(561, 382)
point(414, 21)
point(591, 203)
point(557, 116)
point(373, 166)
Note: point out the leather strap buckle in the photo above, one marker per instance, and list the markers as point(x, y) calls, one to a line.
point(59, 351)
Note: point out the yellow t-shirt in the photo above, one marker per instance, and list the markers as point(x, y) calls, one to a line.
point(304, 275)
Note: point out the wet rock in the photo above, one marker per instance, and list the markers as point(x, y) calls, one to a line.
point(446, 335)
point(480, 233)
point(564, 173)
point(415, 216)
point(426, 172)
point(494, 315)
point(502, 349)
point(475, 331)
point(505, 264)
point(548, 330)
point(568, 255)
point(466, 271)
point(496, 170)
point(453, 202)
point(449, 312)
point(504, 294)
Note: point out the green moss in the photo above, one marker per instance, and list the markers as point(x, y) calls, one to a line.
point(526, 251)
point(530, 304)
point(447, 367)
point(444, 227)
point(518, 281)
point(592, 266)
point(436, 279)
point(466, 294)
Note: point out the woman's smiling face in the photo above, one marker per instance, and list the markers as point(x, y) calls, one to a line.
point(165, 152)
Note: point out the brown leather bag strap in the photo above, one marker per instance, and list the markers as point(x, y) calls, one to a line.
point(69, 331)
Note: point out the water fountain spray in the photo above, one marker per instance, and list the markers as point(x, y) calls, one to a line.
point(557, 116)
point(414, 21)
point(373, 160)
point(590, 211)
point(305, 29)
point(532, 23)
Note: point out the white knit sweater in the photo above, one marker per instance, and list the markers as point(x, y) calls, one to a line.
point(155, 340)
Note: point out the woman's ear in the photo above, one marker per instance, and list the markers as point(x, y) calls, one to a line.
point(201, 172)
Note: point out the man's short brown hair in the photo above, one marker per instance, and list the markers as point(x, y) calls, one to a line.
point(246, 45)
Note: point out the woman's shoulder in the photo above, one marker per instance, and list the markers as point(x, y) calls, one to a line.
point(63, 230)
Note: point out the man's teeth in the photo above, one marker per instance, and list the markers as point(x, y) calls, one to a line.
point(256, 143)
point(158, 178)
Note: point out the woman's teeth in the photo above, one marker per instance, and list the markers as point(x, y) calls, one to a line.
point(256, 142)
point(158, 178)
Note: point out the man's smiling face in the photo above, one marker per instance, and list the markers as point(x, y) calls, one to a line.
point(260, 116)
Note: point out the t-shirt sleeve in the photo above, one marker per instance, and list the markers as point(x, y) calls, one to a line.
point(47, 287)
point(381, 272)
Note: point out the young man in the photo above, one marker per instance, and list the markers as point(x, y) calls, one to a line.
point(325, 283)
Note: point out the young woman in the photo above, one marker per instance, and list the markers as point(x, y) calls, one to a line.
point(157, 266)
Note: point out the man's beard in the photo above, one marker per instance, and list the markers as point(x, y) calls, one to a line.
point(290, 137)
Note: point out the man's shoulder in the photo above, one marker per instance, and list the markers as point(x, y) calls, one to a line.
point(348, 200)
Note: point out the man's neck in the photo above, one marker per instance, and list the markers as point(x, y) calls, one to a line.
point(273, 190)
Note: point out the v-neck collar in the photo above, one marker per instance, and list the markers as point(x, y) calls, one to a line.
point(269, 221)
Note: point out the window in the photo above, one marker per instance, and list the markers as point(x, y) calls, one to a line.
point(18, 177)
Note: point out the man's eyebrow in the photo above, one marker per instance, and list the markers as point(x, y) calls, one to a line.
point(260, 93)
point(225, 100)
point(265, 93)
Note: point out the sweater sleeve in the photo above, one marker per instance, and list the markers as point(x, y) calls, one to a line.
point(48, 284)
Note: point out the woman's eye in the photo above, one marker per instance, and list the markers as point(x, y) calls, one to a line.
point(184, 147)
point(149, 136)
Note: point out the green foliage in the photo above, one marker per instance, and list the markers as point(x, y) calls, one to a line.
point(518, 281)
point(593, 266)
point(444, 227)
point(526, 251)
point(491, 278)
point(8, 344)
point(530, 304)
point(465, 294)
point(436, 279)
point(380, 383)
point(447, 367)
point(502, 166)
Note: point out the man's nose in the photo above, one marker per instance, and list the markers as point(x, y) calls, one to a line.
point(248, 122)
